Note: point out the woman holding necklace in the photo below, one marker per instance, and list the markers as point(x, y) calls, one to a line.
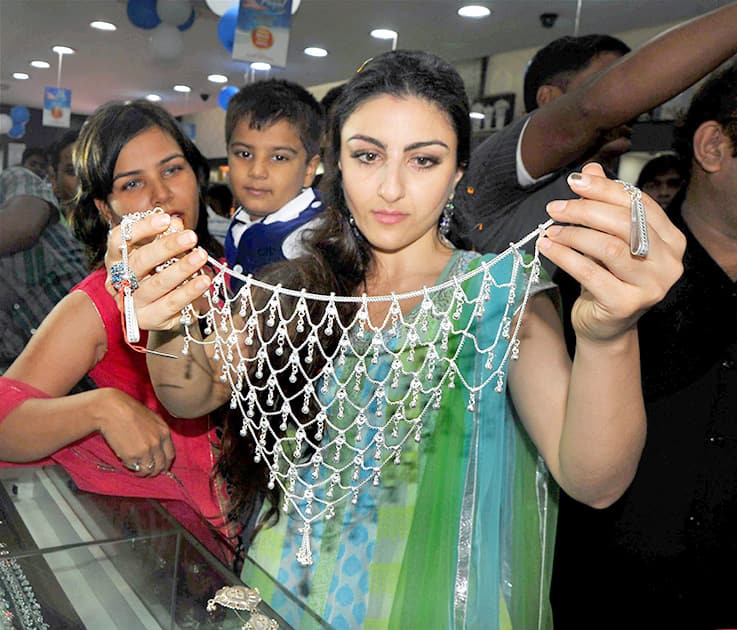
point(441, 541)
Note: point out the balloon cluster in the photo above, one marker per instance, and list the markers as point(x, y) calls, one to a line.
point(15, 124)
point(166, 19)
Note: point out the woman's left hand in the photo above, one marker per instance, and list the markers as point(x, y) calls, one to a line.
point(617, 287)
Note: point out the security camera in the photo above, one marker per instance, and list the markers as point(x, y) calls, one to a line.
point(204, 96)
point(548, 19)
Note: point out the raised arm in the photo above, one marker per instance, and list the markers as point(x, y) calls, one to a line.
point(588, 419)
point(566, 128)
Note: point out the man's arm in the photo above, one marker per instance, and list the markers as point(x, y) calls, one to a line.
point(567, 128)
point(22, 219)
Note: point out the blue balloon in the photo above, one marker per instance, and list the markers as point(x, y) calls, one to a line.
point(20, 114)
point(142, 13)
point(228, 92)
point(226, 28)
point(18, 131)
point(185, 25)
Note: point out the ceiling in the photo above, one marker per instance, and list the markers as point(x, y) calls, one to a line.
point(119, 65)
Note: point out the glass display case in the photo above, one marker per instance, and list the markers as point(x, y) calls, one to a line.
point(71, 559)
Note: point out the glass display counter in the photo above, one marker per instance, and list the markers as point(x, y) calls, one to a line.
point(71, 559)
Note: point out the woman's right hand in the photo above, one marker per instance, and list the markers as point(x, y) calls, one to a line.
point(162, 295)
point(136, 434)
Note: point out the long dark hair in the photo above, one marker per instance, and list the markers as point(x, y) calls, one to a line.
point(100, 142)
point(337, 257)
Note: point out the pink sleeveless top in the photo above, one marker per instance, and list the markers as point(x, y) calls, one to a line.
point(95, 468)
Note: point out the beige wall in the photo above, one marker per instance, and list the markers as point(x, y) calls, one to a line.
point(504, 74)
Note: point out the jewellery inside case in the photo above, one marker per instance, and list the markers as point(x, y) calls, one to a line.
point(20, 607)
point(243, 598)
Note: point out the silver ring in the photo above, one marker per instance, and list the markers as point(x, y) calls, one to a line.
point(639, 237)
point(135, 466)
point(151, 465)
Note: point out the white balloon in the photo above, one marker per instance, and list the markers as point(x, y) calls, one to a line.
point(166, 42)
point(174, 12)
point(219, 7)
point(6, 123)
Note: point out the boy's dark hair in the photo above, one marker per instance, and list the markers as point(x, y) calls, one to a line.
point(31, 151)
point(266, 102)
point(70, 137)
point(659, 166)
point(559, 61)
point(715, 100)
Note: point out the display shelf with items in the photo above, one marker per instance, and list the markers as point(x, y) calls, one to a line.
point(71, 559)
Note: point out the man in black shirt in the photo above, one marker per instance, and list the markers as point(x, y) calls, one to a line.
point(665, 555)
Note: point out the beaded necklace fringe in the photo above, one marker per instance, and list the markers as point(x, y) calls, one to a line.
point(267, 338)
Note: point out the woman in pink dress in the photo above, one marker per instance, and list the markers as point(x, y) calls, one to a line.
point(118, 439)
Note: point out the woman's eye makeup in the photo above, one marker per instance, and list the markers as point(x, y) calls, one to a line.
point(365, 155)
point(426, 161)
point(173, 168)
point(130, 184)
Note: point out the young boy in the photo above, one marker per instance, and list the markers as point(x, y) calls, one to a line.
point(272, 130)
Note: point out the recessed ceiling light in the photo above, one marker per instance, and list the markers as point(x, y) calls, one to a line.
point(217, 78)
point(383, 33)
point(100, 25)
point(474, 11)
point(182, 88)
point(261, 65)
point(63, 50)
point(21, 76)
point(477, 115)
point(154, 98)
point(314, 51)
point(40, 64)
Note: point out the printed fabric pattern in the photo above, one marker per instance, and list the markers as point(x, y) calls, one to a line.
point(457, 535)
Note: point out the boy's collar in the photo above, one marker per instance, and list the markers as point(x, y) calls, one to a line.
point(287, 212)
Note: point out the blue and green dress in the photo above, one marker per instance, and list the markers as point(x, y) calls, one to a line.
point(458, 534)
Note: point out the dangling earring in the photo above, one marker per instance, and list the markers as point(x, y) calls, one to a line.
point(446, 217)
